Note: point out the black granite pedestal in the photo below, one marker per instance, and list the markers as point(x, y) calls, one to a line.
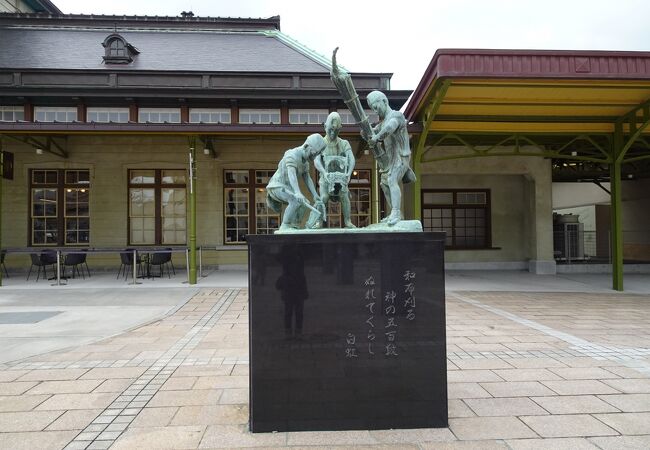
point(347, 331)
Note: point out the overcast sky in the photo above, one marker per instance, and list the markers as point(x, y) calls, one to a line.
point(401, 36)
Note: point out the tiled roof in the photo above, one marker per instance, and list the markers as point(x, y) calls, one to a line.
point(56, 47)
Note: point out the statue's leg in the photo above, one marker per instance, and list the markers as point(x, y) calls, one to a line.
point(325, 198)
point(345, 206)
point(293, 206)
point(300, 212)
point(386, 190)
point(395, 194)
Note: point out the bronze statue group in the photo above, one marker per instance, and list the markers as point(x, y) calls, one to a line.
point(333, 159)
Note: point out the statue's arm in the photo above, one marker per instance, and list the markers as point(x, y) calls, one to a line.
point(310, 185)
point(293, 181)
point(387, 128)
point(318, 163)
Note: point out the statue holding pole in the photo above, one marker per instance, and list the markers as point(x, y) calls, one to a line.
point(388, 140)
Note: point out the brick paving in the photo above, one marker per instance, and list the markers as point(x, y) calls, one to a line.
point(526, 370)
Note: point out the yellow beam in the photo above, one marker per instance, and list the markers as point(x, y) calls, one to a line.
point(514, 109)
point(553, 82)
point(521, 127)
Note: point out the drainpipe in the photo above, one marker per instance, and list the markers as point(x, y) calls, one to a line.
point(417, 185)
point(192, 243)
point(376, 191)
point(616, 233)
point(2, 171)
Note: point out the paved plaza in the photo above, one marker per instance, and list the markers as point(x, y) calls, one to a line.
point(542, 362)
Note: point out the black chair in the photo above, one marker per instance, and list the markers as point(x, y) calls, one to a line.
point(84, 256)
point(42, 260)
point(74, 260)
point(49, 258)
point(161, 259)
point(170, 260)
point(126, 258)
point(2, 262)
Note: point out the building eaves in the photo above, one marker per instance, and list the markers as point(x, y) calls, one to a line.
point(296, 45)
point(165, 128)
point(128, 21)
point(44, 6)
point(529, 64)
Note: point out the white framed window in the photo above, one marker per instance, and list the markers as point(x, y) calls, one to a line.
point(308, 116)
point(262, 116)
point(55, 114)
point(157, 206)
point(107, 115)
point(60, 211)
point(245, 208)
point(348, 119)
point(12, 113)
point(159, 115)
point(209, 115)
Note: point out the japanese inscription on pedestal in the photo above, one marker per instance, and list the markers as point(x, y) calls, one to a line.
point(396, 308)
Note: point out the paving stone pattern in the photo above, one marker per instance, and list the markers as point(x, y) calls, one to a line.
point(526, 370)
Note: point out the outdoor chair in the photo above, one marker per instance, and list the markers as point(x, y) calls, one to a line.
point(74, 260)
point(2, 262)
point(84, 262)
point(161, 260)
point(126, 258)
point(170, 260)
point(41, 261)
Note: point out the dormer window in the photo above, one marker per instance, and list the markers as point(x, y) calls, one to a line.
point(117, 50)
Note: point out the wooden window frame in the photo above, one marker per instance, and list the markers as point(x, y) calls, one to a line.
point(348, 119)
point(67, 110)
point(61, 186)
point(17, 113)
point(260, 111)
point(149, 111)
point(157, 186)
point(108, 110)
point(211, 111)
point(321, 116)
point(454, 206)
point(252, 187)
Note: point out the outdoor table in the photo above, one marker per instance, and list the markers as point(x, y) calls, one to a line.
point(62, 251)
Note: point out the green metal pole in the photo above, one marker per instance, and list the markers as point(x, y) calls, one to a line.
point(617, 228)
point(2, 171)
point(417, 186)
point(375, 217)
point(439, 91)
point(193, 177)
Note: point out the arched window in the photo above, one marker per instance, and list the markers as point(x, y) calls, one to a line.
point(117, 50)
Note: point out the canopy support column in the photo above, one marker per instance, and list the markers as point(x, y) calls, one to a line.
point(2, 172)
point(621, 144)
point(192, 231)
point(616, 226)
point(439, 92)
point(375, 195)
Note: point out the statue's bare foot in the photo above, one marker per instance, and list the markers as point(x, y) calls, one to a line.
point(385, 219)
point(393, 218)
point(349, 224)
